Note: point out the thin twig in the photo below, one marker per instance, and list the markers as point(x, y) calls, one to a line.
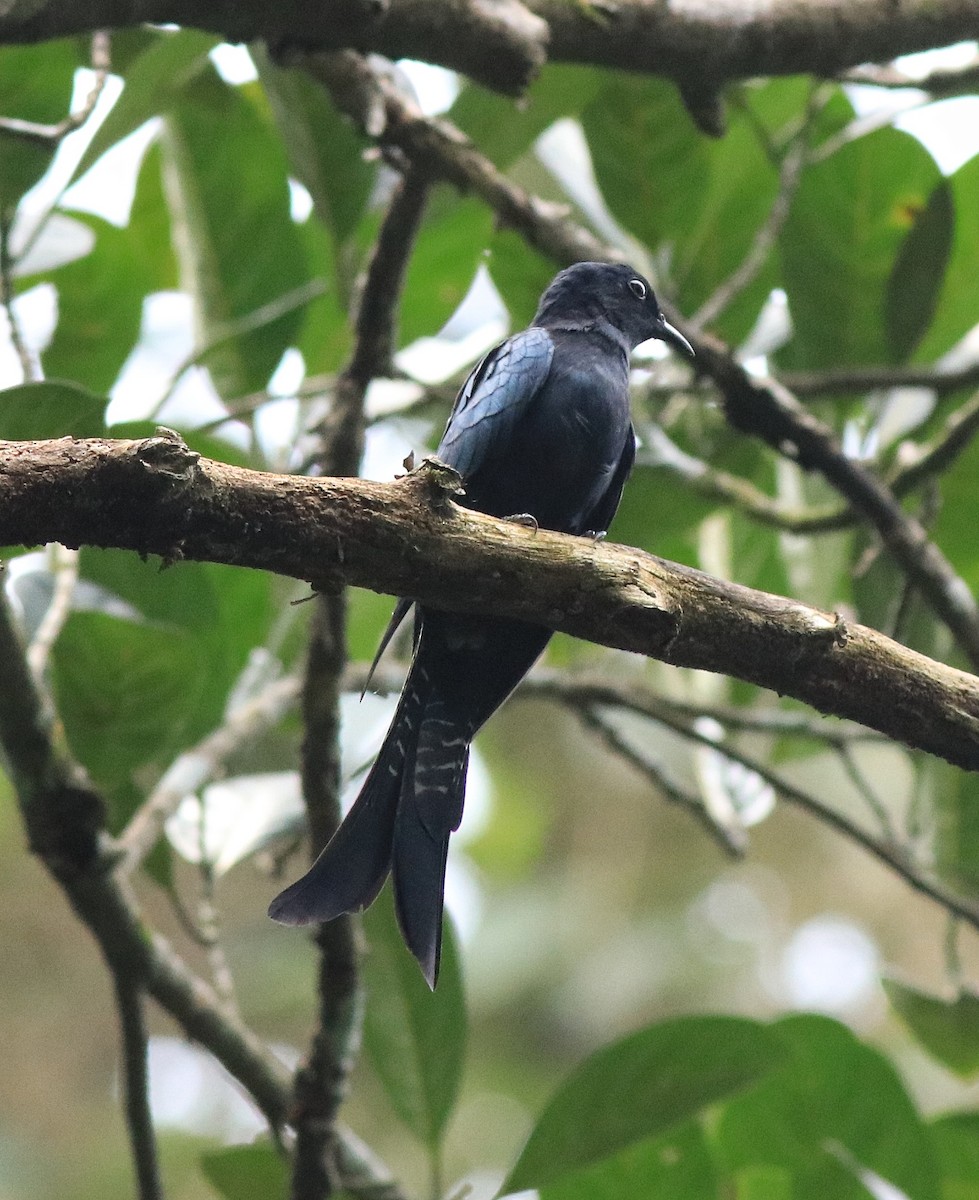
point(136, 1087)
point(636, 697)
point(63, 565)
point(230, 331)
point(659, 450)
point(867, 793)
point(842, 380)
point(916, 465)
point(919, 463)
point(195, 768)
point(732, 841)
point(209, 921)
point(33, 131)
point(767, 234)
point(28, 366)
point(959, 81)
point(860, 127)
point(891, 854)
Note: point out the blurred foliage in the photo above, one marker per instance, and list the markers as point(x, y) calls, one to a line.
point(606, 920)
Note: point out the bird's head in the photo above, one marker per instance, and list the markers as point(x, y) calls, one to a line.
point(592, 291)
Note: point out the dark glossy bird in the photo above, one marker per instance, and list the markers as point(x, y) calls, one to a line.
point(541, 429)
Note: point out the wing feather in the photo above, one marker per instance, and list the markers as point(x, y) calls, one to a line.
point(493, 399)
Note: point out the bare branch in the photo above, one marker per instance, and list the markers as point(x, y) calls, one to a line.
point(731, 841)
point(766, 409)
point(919, 463)
point(891, 854)
point(64, 572)
point(842, 380)
point(408, 539)
point(938, 84)
point(503, 44)
point(136, 1087)
point(767, 234)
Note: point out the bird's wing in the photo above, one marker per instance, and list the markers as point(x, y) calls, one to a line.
point(493, 399)
point(600, 518)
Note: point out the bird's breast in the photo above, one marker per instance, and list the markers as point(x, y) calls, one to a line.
point(567, 449)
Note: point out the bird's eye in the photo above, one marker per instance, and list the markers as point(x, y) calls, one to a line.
point(638, 288)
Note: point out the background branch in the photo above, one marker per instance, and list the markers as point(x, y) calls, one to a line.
point(503, 44)
point(136, 1087)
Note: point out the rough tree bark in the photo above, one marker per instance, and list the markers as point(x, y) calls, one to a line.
point(155, 496)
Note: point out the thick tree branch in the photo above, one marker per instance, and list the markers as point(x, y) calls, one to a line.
point(502, 43)
point(154, 496)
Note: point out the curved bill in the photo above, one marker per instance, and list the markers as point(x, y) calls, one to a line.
point(667, 333)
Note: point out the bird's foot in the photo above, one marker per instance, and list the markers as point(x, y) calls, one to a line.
point(527, 520)
point(596, 535)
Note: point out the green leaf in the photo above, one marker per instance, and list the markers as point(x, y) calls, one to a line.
point(124, 691)
point(677, 1167)
point(763, 1183)
point(956, 310)
point(956, 1141)
point(325, 337)
point(155, 78)
point(51, 409)
point(953, 530)
point(739, 191)
point(100, 296)
point(849, 220)
point(415, 1038)
point(241, 253)
point(505, 129)
point(325, 152)
point(256, 1172)
point(915, 282)
point(521, 275)
point(834, 1103)
point(660, 514)
point(448, 250)
point(948, 1029)
point(367, 616)
point(36, 84)
point(651, 162)
point(643, 1086)
point(224, 611)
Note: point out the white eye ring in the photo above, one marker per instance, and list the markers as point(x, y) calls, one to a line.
point(638, 288)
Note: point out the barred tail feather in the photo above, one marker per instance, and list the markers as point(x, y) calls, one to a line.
point(429, 810)
point(352, 868)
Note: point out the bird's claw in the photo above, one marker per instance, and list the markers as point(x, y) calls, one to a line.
point(596, 535)
point(527, 520)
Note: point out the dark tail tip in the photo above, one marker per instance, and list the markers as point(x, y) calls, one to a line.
point(291, 906)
